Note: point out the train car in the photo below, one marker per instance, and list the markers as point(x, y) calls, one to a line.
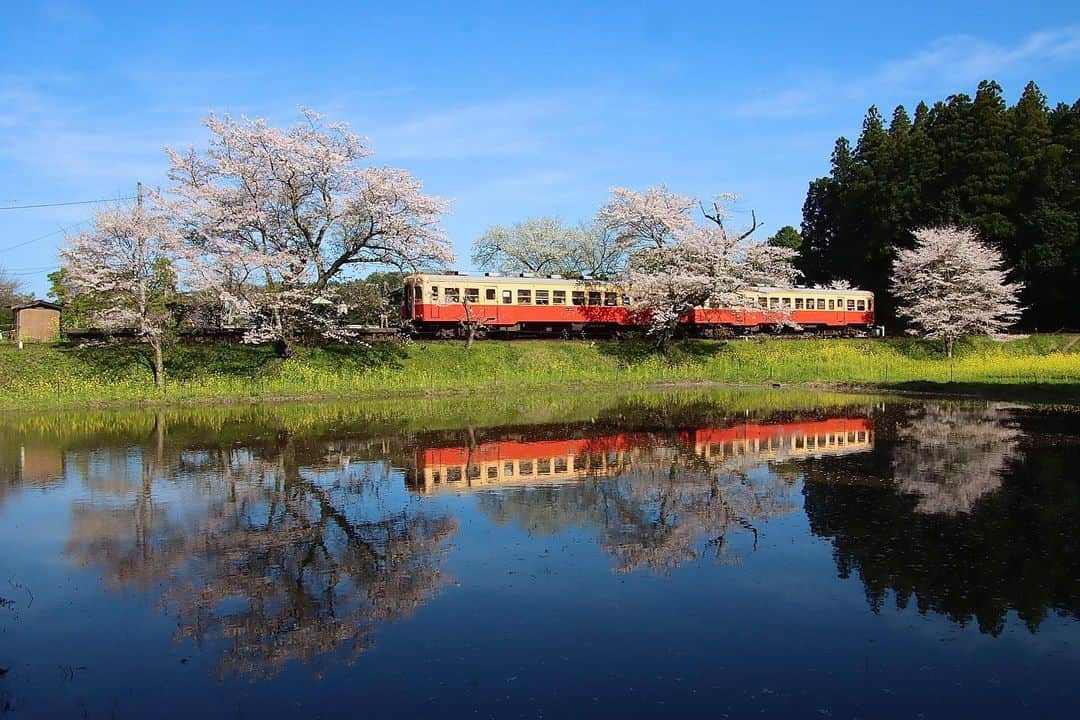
point(438, 304)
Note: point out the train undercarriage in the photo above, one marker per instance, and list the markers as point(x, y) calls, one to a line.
point(450, 331)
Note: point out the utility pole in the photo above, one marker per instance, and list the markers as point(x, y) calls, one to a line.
point(138, 193)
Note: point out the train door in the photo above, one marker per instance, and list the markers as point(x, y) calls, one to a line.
point(432, 309)
point(489, 299)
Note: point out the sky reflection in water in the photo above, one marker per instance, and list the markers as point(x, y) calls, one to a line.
point(685, 552)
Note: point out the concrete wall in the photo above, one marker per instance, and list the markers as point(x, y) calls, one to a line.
point(40, 324)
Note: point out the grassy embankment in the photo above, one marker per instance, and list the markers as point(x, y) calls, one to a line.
point(44, 375)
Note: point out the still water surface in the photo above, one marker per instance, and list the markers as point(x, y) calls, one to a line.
point(672, 554)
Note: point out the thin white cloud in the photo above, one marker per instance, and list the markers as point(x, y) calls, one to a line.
point(786, 103)
point(950, 62)
point(46, 137)
point(70, 14)
point(964, 58)
point(500, 128)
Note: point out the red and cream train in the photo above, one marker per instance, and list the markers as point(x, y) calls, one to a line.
point(438, 305)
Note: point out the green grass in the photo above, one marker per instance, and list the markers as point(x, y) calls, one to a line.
point(50, 375)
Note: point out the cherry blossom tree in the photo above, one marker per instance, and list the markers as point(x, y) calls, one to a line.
point(951, 284)
point(273, 216)
point(546, 246)
point(125, 263)
point(682, 264)
point(647, 219)
point(599, 251)
point(537, 245)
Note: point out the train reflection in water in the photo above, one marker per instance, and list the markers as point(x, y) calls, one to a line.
point(514, 462)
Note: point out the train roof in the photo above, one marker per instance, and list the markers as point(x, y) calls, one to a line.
point(447, 277)
point(802, 290)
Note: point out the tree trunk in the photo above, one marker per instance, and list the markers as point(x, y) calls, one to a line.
point(949, 347)
point(665, 337)
point(284, 348)
point(159, 365)
point(470, 326)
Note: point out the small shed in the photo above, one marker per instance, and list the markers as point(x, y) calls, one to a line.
point(38, 320)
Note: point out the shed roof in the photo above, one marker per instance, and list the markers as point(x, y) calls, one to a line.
point(36, 304)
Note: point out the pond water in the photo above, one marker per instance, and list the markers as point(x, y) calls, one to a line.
point(653, 554)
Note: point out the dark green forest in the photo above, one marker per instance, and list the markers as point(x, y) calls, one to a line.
point(1013, 173)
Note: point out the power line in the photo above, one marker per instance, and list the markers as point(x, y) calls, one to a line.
point(27, 273)
point(73, 202)
point(42, 237)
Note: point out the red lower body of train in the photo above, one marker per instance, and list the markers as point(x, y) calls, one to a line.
point(450, 320)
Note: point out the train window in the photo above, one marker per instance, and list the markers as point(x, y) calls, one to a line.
point(453, 474)
point(821, 304)
point(489, 293)
point(508, 297)
point(577, 297)
point(800, 441)
point(594, 298)
point(419, 293)
point(558, 297)
point(798, 303)
point(525, 467)
point(785, 303)
point(434, 292)
point(832, 304)
point(453, 295)
point(611, 299)
point(474, 472)
point(436, 476)
point(542, 297)
point(626, 300)
point(862, 305)
point(870, 304)
point(508, 469)
point(524, 297)
point(774, 303)
point(763, 301)
point(561, 465)
point(492, 472)
point(472, 295)
point(543, 467)
point(850, 305)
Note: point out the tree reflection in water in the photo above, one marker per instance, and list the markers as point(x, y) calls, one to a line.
point(280, 552)
point(978, 520)
point(950, 455)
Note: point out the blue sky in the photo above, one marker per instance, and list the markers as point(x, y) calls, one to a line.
point(512, 110)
